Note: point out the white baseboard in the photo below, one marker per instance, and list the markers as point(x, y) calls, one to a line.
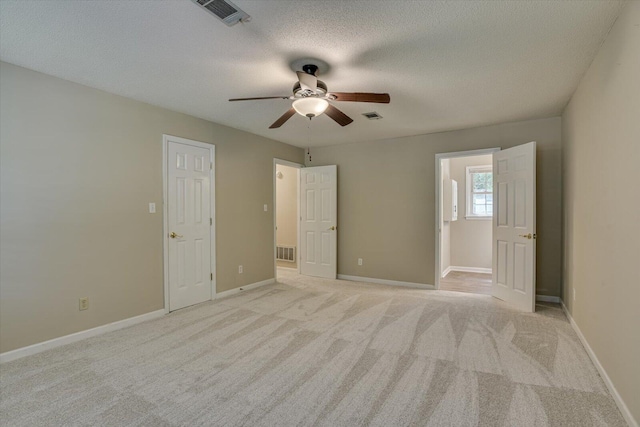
point(243, 288)
point(71, 338)
point(548, 298)
point(446, 271)
point(384, 282)
point(616, 396)
point(469, 269)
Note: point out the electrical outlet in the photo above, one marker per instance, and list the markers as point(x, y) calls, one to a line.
point(574, 294)
point(240, 269)
point(359, 261)
point(152, 208)
point(266, 208)
point(83, 303)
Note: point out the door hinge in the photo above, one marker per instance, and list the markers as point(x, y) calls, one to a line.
point(211, 276)
point(210, 165)
point(210, 221)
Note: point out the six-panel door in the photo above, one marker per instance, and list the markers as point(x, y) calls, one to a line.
point(514, 226)
point(318, 228)
point(189, 222)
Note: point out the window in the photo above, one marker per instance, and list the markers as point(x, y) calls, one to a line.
point(479, 192)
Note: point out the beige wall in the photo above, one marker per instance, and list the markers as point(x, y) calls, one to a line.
point(78, 169)
point(470, 238)
point(287, 210)
point(601, 157)
point(386, 199)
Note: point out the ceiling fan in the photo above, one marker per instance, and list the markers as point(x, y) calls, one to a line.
point(311, 98)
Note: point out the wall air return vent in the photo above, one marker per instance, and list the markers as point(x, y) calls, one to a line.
point(372, 115)
point(286, 253)
point(224, 10)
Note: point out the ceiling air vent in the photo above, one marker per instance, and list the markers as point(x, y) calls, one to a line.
point(372, 115)
point(224, 10)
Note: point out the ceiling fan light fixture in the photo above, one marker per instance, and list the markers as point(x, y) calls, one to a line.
point(310, 107)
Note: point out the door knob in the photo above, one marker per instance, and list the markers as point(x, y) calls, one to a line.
point(332, 228)
point(173, 235)
point(528, 236)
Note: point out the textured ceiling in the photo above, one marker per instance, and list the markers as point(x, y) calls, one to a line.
point(447, 64)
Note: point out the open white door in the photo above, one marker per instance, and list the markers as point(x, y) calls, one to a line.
point(514, 226)
point(318, 221)
point(189, 223)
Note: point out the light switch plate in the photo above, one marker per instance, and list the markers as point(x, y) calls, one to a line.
point(152, 208)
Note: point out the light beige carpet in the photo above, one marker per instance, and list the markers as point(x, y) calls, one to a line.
point(309, 352)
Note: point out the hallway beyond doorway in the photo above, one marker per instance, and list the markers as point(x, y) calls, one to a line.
point(462, 281)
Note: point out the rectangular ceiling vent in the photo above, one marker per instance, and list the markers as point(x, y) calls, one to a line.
point(372, 115)
point(224, 10)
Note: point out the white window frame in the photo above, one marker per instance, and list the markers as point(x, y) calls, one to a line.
point(469, 193)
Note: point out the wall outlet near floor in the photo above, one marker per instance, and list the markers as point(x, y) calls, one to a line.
point(240, 269)
point(359, 261)
point(83, 303)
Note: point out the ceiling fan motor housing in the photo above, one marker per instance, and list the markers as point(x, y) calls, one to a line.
point(321, 90)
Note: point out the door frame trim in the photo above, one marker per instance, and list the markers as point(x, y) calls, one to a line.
point(438, 204)
point(277, 161)
point(165, 210)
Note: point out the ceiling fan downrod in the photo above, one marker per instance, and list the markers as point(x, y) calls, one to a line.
point(310, 69)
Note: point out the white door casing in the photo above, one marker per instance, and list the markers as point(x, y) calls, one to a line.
point(514, 226)
point(189, 223)
point(318, 221)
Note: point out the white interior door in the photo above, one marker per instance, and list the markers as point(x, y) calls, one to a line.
point(514, 226)
point(318, 221)
point(189, 223)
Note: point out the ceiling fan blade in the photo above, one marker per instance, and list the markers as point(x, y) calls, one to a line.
point(341, 118)
point(286, 116)
point(307, 81)
point(381, 98)
point(262, 97)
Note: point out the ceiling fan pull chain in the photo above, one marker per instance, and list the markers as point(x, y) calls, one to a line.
point(309, 135)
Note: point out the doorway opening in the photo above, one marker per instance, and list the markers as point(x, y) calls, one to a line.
point(464, 221)
point(316, 197)
point(513, 233)
point(286, 219)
